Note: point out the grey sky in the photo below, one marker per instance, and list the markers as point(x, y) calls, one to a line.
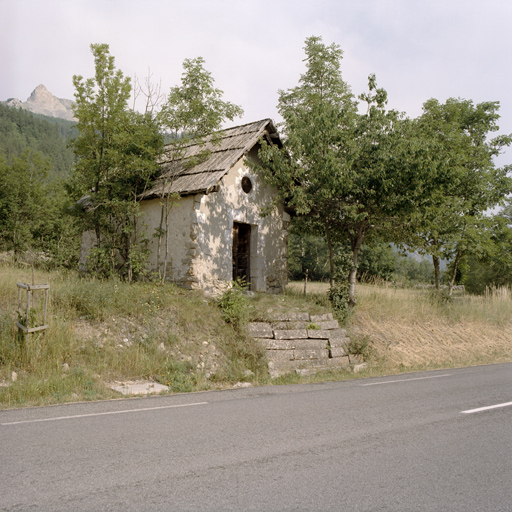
point(417, 48)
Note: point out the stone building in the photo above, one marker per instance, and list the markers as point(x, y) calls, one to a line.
point(215, 230)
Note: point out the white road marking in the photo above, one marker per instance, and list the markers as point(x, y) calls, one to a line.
point(126, 411)
point(488, 408)
point(406, 380)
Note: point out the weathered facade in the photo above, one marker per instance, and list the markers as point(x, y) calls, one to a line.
point(216, 232)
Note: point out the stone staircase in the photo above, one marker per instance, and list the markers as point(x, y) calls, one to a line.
point(303, 343)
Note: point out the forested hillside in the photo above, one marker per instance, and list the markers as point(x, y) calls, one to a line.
point(35, 162)
point(21, 131)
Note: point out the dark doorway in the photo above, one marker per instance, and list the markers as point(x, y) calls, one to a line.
point(241, 251)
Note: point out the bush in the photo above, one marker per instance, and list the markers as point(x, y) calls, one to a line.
point(235, 306)
point(338, 296)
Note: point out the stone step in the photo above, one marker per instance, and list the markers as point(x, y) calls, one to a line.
point(277, 368)
point(298, 354)
point(272, 344)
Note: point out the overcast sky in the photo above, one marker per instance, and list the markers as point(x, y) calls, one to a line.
point(418, 49)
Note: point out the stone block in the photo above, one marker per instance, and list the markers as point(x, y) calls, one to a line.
point(308, 353)
point(298, 317)
point(338, 362)
point(290, 334)
point(337, 352)
point(338, 333)
point(260, 330)
point(328, 325)
point(280, 355)
point(315, 344)
point(273, 344)
point(319, 333)
point(282, 326)
point(307, 366)
point(339, 342)
point(360, 367)
point(321, 318)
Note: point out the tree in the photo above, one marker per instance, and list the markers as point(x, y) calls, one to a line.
point(492, 267)
point(464, 181)
point(377, 260)
point(116, 150)
point(349, 173)
point(23, 200)
point(193, 114)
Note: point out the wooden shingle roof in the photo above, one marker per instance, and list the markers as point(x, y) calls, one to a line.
point(236, 142)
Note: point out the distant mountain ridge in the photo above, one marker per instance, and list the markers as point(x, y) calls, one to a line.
point(42, 101)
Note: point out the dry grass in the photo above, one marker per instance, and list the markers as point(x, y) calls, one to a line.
point(409, 329)
point(103, 331)
point(100, 331)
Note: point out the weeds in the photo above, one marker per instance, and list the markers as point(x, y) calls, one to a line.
point(101, 331)
point(235, 306)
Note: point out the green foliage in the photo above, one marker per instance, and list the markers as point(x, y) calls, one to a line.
point(195, 109)
point(463, 182)
point(491, 268)
point(349, 173)
point(179, 376)
point(22, 131)
point(307, 253)
point(33, 211)
point(339, 292)
point(377, 259)
point(360, 345)
point(411, 271)
point(235, 306)
point(116, 150)
point(193, 113)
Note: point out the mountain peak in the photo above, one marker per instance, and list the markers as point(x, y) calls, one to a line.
point(42, 101)
point(39, 92)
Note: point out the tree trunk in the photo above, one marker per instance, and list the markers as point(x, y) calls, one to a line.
point(454, 273)
point(435, 260)
point(352, 276)
point(331, 251)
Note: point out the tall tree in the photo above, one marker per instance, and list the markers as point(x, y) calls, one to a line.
point(349, 172)
point(116, 150)
point(23, 200)
point(193, 113)
point(465, 182)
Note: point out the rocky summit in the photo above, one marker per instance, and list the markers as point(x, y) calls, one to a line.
point(42, 101)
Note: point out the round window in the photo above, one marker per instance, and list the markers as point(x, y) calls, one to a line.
point(246, 184)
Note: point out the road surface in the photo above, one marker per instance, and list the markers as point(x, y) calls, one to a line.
point(432, 441)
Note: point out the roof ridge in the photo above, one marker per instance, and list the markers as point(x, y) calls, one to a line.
point(261, 121)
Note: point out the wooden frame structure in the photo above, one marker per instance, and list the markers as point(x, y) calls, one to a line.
point(31, 288)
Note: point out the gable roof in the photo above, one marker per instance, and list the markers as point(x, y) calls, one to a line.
point(204, 177)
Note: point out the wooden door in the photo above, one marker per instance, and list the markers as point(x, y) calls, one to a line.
point(241, 251)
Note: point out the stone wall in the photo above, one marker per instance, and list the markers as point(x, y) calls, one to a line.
point(303, 343)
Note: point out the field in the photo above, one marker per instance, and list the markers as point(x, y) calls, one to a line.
point(100, 333)
point(413, 329)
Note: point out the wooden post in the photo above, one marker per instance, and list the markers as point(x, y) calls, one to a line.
point(306, 281)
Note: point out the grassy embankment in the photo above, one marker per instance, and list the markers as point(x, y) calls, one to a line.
point(104, 332)
point(415, 329)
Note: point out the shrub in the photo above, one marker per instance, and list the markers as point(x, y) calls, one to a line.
point(235, 306)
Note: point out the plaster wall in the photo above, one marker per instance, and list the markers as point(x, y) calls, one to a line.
point(181, 249)
point(215, 215)
point(200, 235)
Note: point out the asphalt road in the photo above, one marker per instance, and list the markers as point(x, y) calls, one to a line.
point(400, 443)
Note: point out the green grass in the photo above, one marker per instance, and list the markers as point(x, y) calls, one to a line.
point(105, 331)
